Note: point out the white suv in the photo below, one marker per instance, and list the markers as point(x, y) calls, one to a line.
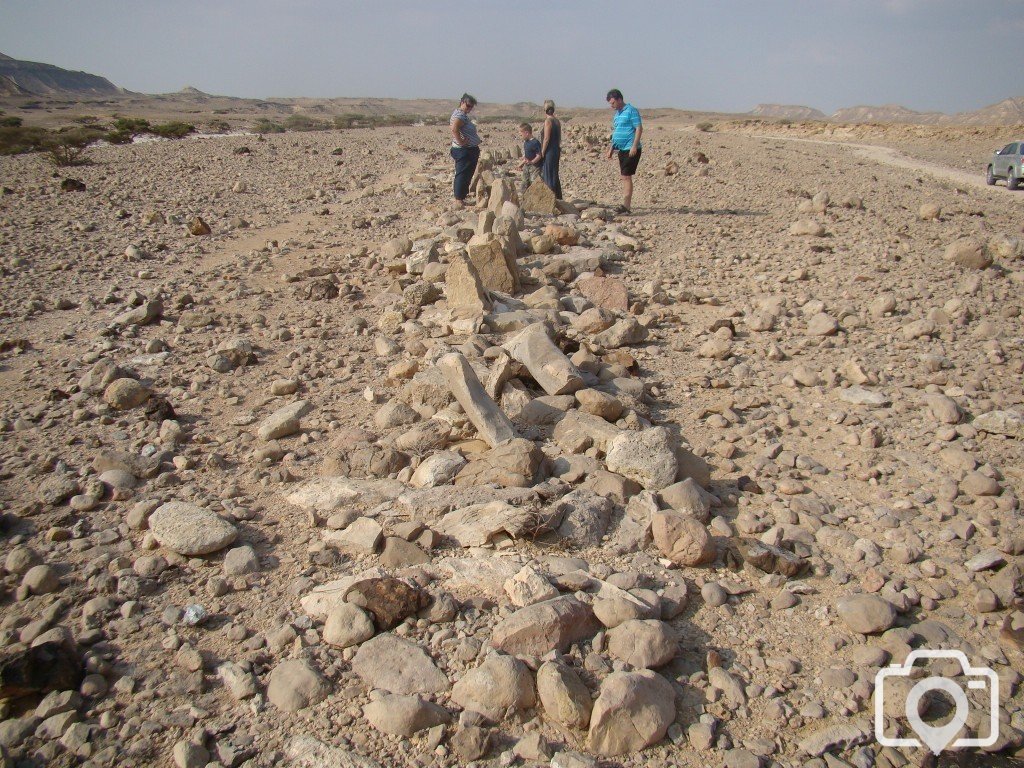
point(1006, 164)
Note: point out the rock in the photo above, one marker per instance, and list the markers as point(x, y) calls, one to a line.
point(464, 289)
point(646, 457)
point(539, 198)
point(929, 212)
point(643, 644)
point(516, 464)
point(296, 684)
point(687, 498)
point(600, 404)
point(632, 712)
point(388, 599)
point(978, 484)
point(40, 580)
point(347, 624)
point(532, 747)
point(189, 755)
point(860, 396)
point(546, 363)
point(614, 606)
point(528, 587)
point(470, 743)
point(543, 627)
point(1009, 423)
point(498, 270)
point(565, 698)
point(622, 333)
point(683, 540)
point(240, 561)
point(477, 524)
point(399, 553)
point(822, 325)
point(969, 252)
point(307, 752)
point(606, 292)
point(284, 421)
point(396, 665)
point(584, 517)
point(197, 227)
point(769, 558)
point(807, 228)
point(44, 667)
point(331, 494)
point(439, 469)
point(393, 414)
point(362, 536)
point(190, 530)
point(498, 684)
point(125, 394)
point(492, 425)
point(867, 614)
point(842, 735)
point(943, 408)
point(404, 715)
point(240, 683)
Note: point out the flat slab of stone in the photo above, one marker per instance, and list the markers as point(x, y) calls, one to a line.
point(543, 627)
point(397, 665)
point(189, 529)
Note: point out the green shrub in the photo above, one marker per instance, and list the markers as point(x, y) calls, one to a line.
point(17, 139)
point(263, 125)
point(174, 130)
point(68, 146)
point(305, 123)
point(705, 126)
point(219, 126)
point(10, 122)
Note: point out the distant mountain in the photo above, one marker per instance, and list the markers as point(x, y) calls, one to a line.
point(47, 80)
point(1005, 112)
point(887, 113)
point(10, 88)
point(788, 111)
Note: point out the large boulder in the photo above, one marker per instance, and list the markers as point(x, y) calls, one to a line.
point(633, 711)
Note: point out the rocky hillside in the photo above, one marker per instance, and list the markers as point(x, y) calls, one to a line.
point(47, 79)
point(788, 111)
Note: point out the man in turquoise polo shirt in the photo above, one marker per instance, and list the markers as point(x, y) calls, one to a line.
point(626, 131)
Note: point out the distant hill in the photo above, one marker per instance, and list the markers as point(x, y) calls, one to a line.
point(887, 113)
point(788, 111)
point(10, 88)
point(38, 79)
point(1005, 112)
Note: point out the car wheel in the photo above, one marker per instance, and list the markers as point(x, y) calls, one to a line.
point(990, 178)
point(1011, 180)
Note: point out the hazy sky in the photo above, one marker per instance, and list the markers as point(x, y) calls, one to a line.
point(728, 55)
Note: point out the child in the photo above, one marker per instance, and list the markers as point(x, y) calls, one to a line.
point(531, 160)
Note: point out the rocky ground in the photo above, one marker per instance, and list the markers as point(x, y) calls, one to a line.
point(300, 467)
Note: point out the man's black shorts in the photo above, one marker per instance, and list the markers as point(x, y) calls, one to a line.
point(627, 164)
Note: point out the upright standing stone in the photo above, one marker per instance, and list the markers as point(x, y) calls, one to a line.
point(464, 289)
point(493, 265)
point(540, 199)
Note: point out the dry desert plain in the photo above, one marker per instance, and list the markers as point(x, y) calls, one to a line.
point(354, 480)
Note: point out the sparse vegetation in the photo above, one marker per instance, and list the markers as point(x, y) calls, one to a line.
point(173, 130)
point(18, 139)
point(705, 126)
point(10, 122)
point(305, 123)
point(68, 146)
point(263, 125)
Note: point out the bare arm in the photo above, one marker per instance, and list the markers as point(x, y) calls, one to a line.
point(457, 137)
point(636, 140)
point(547, 136)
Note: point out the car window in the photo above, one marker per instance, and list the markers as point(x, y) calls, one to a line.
point(1008, 149)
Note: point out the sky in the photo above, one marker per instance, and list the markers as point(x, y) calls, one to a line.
point(715, 55)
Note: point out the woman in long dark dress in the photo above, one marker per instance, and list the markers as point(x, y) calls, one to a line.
point(551, 149)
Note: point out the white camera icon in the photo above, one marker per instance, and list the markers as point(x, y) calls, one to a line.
point(938, 738)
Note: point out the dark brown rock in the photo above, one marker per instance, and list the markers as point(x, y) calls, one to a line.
point(390, 600)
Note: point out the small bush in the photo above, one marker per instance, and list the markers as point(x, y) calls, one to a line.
point(10, 122)
point(132, 125)
point(219, 126)
point(705, 126)
point(263, 125)
point(16, 139)
point(305, 123)
point(68, 146)
point(174, 130)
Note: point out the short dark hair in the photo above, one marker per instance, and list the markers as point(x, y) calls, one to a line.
point(614, 93)
point(468, 99)
point(526, 126)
